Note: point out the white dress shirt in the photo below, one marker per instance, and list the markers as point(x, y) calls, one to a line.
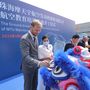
point(44, 52)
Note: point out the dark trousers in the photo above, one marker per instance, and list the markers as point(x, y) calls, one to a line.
point(30, 79)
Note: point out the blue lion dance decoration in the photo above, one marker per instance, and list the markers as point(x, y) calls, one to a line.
point(64, 68)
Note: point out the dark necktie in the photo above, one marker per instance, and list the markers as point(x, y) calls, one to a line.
point(34, 38)
point(35, 42)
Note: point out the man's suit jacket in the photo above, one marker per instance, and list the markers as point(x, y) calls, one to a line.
point(81, 43)
point(29, 50)
point(68, 46)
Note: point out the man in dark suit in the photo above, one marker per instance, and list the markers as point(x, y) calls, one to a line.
point(74, 42)
point(30, 62)
point(85, 42)
point(89, 43)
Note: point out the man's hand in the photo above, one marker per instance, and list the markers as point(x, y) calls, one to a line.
point(44, 63)
point(88, 46)
point(47, 58)
point(50, 58)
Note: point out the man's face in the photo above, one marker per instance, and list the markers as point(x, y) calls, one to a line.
point(75, 40)
point(85, 39)
point(45, 40)
point(36, 29)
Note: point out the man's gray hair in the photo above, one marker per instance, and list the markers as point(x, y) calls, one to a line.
point(36, 22)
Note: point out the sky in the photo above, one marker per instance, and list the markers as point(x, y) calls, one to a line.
point(77, 10)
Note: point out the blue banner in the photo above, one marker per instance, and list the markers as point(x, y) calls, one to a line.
point(15, 19)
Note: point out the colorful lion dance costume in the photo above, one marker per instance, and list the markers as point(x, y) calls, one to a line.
point(65, 67)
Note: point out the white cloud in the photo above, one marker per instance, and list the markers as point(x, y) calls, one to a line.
point(77, 10)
